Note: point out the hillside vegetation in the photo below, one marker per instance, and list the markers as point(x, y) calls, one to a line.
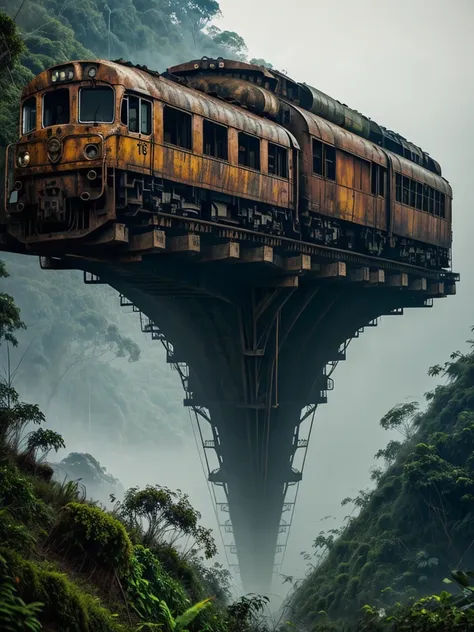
point(417, 524)
point(68, 565)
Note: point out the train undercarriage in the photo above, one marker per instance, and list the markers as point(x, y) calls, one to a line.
point(77, 205)
point(147, 194)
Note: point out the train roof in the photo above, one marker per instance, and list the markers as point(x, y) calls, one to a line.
point(310, 99)
point(147, 82)
point(350, 142)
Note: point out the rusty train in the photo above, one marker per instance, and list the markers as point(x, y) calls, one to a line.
point(223, 142)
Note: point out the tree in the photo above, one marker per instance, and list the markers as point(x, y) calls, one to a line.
point(403, 418)
point(15, 416)
point(168, 516)
point(390, 453)
point(258, 61)
point(233, 44)
point(9, 314)
point(11, 44)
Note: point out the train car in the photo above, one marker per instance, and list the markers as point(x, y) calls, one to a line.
point(362, 187)
point(220, 141)
point(357, 195)
point(102, 141)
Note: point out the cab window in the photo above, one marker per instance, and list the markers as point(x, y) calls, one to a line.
point(56, 107)
point(96, 105)
point(28, 121)
point(136, 114)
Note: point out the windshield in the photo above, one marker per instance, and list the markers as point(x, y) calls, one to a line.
point(28, 123)
point(56, 107)
point(96, 105)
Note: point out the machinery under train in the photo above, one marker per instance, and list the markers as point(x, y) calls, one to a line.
point(223, 142)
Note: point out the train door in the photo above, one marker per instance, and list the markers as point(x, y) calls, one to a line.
point(137, 115)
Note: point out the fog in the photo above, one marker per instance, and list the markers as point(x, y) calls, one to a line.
point(407, 64)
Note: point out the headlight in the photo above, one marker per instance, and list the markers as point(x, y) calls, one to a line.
point(91, 152)
point(62, 74)
point(92, 72)
point(23, 159)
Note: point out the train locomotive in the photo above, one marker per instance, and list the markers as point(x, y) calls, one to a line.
point(223, 142)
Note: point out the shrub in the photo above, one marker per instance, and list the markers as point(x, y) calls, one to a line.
point(86, 533)
point(15, 615)
point(385, 522)
point(147, 583)
point(358, 563)
point(352, 588)
point(366, 571)
point(342, 579)
point(65, 606)
point(16, 535)
point(17, 494)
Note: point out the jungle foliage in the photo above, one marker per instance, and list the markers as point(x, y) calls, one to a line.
point(406, 534)
point(68, 564)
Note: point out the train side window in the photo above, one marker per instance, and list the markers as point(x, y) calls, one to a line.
point(398, 187)
point(56, 107)
point(432, 201)
point(249, 151)
point(96, 105)
point(419, 196)
point(214, 140)
point(28, 123)
point(277, 160)
point(412, 193)
point(406, 191)
point(145, 117)
point(378, 180)
point(443, 205)
point(317, 157)
point(136, 114)
point(330, 162)
point(374, 178)
point(177, 127)
point(437, 203)
point(426, 198)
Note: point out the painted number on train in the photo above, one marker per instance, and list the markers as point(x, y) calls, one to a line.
point(142, 149)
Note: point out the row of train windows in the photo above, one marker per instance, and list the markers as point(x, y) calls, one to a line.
point(97, 105)
point(177, 127)
point(371, 178)
point(420, 196)
point(368, 177)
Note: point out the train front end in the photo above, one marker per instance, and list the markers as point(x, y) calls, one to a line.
point(59, 175)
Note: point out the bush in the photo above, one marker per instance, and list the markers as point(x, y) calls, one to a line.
point(147, 583)
point(17, 494)
point(15, 615)
point(88, 534)
point(65, 606)
point(16, 535)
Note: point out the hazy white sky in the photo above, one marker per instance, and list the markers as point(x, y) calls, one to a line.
point(408, 64)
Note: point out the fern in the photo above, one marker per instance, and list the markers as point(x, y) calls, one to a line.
point(191, 613)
